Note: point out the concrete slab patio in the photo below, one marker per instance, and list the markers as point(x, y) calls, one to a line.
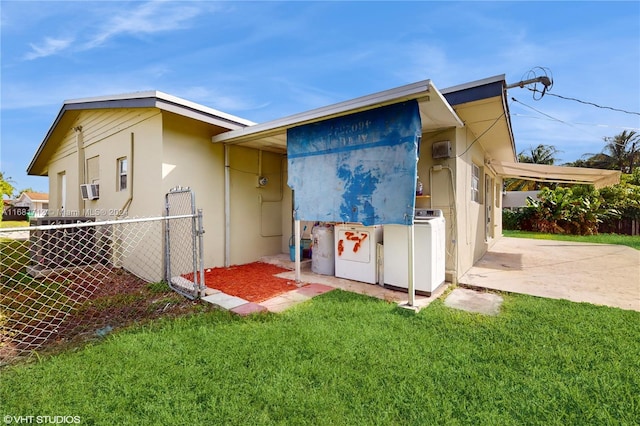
point(372, 290)
point(600, 274)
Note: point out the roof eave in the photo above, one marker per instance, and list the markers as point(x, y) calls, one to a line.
point(145, 99)
point(418, 90)
point(487, 88)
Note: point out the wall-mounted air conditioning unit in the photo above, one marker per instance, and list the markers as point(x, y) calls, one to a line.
point(441, 149)
point(90, 191)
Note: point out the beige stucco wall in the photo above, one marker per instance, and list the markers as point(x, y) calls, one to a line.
point(109, 135)
point(472, 240)
point(447, 181)
point(438, 186)
point(257, 225)
point(102, 137)
point(189, 159)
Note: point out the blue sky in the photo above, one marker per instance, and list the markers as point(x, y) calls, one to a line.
point(266, 60)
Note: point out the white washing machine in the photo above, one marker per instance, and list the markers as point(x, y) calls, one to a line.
point(356, 252)
point(429, 253)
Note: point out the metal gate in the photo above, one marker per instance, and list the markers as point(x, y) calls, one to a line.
point(183, 243)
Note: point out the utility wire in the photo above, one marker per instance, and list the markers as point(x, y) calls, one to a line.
point(578, 124)
point(481, 135)
point(586, 102)
point(540, 112)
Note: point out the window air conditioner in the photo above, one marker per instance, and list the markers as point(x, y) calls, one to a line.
point(90, 191)
point(441, 149)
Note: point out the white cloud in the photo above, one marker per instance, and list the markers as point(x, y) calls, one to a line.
point(146, 18)
point(151, 17)
point(50, 46)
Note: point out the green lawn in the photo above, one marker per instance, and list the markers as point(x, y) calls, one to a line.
point(344, 358)
point(625, 240)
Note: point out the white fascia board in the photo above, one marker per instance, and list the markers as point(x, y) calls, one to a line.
point(201, 108)
point(410, 91)
point(472, 84)
point(167, 102)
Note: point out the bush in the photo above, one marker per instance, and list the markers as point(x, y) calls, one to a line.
point(511, 219)
point(576, 211)
point(579, 210)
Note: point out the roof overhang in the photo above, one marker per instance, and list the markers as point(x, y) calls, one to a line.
point(147, 99)
point(560, 174)
point(483, 107)
point(435, 113)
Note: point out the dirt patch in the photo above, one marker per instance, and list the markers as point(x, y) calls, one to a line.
point(255, 282)
point(70, 308)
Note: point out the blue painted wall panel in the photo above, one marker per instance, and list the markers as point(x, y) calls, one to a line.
point(358, 168)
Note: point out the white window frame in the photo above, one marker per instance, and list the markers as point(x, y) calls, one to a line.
point(475, 183)
point(122, 173)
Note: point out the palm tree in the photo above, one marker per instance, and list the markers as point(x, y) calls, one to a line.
point(541, 154)
point(619, 153)
point(621, 150)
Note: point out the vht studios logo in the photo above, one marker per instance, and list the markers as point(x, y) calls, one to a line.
point(60, 420)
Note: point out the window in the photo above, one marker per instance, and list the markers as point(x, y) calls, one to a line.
point(475, 183)
point(122, 173)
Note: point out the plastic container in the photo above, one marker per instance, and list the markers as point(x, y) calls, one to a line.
point(292, 250)
point(323, 260)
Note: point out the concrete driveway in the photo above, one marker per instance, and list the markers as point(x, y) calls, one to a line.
point(601, 274)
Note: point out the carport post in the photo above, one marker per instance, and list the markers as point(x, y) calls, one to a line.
point(411, 266)
point(297, 249)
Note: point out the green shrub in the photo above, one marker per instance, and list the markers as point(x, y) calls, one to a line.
point(511, 219)
point(578, 211)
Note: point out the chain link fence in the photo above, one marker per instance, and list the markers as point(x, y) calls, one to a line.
point(66, 279)
point(184, 273)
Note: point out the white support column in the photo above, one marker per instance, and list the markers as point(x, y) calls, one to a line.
point(297, 249)
point(411, 265)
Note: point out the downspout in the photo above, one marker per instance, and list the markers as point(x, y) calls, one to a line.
point(124, 210)
point(81, 168)
point(227, 209)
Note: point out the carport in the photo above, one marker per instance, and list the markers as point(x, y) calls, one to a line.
point(600, 274)
point(355, 161)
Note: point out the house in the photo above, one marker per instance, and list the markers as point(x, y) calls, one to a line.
point(138, 146)
point(36, 202)
point(515, 200)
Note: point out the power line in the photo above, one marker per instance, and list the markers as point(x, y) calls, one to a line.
point(587, 103)
point(551, 117)
point(540, 112)
point(578, 124)
point(481, 135)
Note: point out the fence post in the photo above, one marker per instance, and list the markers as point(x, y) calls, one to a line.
point(201, 253)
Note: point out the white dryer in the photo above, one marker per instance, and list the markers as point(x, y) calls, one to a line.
point(356, 252)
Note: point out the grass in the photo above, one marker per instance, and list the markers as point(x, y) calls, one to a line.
point(343, 358)
point(14, 256)
point(624, 240)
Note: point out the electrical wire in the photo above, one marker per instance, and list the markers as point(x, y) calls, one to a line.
point(578, 124)
point(564, 122)
point(481, 135)
point(586, 102)
point(542, 113)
